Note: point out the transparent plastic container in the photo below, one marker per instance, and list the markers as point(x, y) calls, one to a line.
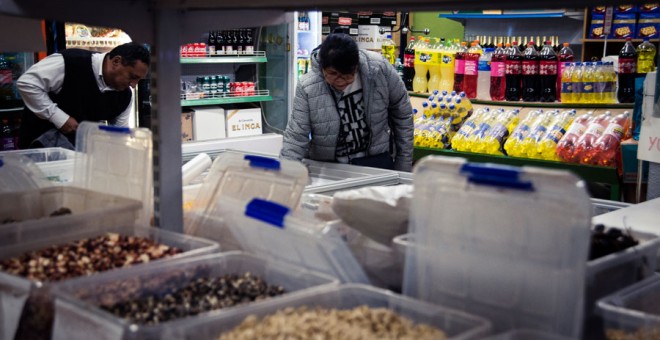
point(634, 310)
point(78, 315)
point(20, 174)
point(116, 161)
point(56, 163)
point(35, 299)
point(527, 334)
point(457, 325)
point(501, 242)
point(271, 230)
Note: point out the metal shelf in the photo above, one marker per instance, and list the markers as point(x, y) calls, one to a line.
point(503, 16)
point(228, 98)
point(615, 40)
point(257, 57)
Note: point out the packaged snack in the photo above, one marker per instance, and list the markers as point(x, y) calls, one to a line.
point(623, 26)
point(625, 9)
point(651, 7)
point(648, 25)
point(596, 29)
point(599, 9)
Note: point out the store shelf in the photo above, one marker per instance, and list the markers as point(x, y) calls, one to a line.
point(228, 98)
point(93, 42)
point(615, 40)
point(503, 16)
point(590, 173)
point(257, 57)
point(538, 104)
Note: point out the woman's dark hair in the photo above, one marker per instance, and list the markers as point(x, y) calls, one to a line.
point(130, 53)
point(340, 52)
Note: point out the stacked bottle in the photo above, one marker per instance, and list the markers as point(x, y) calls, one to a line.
point(530, 74)
point(420, 81)
point(513, 73)
point(588, 83)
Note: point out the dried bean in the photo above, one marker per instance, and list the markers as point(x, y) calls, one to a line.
point(85, 257)
point(198, 296)
point(332, 324)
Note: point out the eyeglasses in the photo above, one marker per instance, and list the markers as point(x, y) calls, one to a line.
point(332, 75)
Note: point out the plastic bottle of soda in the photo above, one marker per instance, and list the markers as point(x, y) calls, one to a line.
point(420, 81)
point(513, 74)
point(588, 139)
point(567, 83)
point(497, 80)
point(388, 48)
point(566, 55)
point(576, 79)
point(548, 73)
point(435, 52)
point(530, 74)
point(447, 66)
point(610, 87)
point(646, 60)
point(566, 145)
point(627, 72)
point(459, 67)
point(547, 147)
point(7, 136)
point(606, 147)
point(600, 83)
point(408, 64)
point(471, 71)
point(588, 77)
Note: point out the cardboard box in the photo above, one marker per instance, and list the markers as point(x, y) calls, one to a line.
point(187, 126)
point(370, 38)
point(648, 25)
point(244, 122)
point(623, 26)
point(209, 123)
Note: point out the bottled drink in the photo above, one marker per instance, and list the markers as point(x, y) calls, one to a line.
point(512, 146)
point(627, 72)
point(646, 57)
point(211, 43)
point(566, 145)
point(459, 67)
point(483, 78)
point(497, 80)
point(434, 65)
point(606, 147)
point(567, 83)
point(398, 65)
point(513, 74)
point(601, 93)
point(588, 78)
point(219, 42)
point(495, 138)
point(249, 41)
point(566, 55)
point(576, 79)
point(408, 64)
point(7, 136)
point(471, 71)
point(422, 57)
point(586, 142)
point(530, 74)
point(6, 81)
point(447, 66)
point(388, 49)
point(527, 147)
point(610, 86)
point(229, 42)
point(547, 147)
point(548, 73)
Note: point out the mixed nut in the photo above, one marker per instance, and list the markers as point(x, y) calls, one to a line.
point(198, 296)
point(85, 257)
point(329, 324)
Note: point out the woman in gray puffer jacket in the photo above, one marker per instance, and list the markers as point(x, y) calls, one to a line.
point(351, 105)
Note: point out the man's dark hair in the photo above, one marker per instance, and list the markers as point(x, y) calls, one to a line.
point(130, 53)
point(340, 52)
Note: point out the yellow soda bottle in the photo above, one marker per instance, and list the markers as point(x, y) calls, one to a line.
point(493, 141)
point(541, 126)
point(588, 77)
point(447, 65)
point(576, 79)
point(388, 49)
point(547, 146)
point(422, 57)
point(610, 84)
point(434, 65)
point(512, 144)
point(458, 142)
point(567, 84)
point(474, 139)
point(600, 96)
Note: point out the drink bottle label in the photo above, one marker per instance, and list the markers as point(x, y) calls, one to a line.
point(447, 58)
point(538, 133)
point(615, 130)
point(459, 66)
point(497, 69)
point(498, 132)
point(567, 87)
point(513, 67)
point(530, 67)
point(467, 129)
point(600, 86)
point(627, 65)
point(595, 129)
point(555, 133)
point(408, 60)
point(521, 132)
point(471, 68)
point(576, 129)
point(548, 67)
point(587, 87)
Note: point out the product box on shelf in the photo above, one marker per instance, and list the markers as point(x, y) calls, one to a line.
point(517, 261)
point(78, 306)
point(623, 26)
point(243, 122)
point(648, 25)
point(187, 126)
point(597, 27)
point(209, 123)
point(628, 8)
point(632, 313)
point(26, 306)
point(369, 37)
point(455, 325)
point(649, 7)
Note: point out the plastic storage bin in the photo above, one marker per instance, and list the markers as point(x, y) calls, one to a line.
point(57, 164)
point(457, 325)
point(15, 291)
point(270, 230)
point(634, 310)
point(527, 334)
point(501, 242)
point(77, 315)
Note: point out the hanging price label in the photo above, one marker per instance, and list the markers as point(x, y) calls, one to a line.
point(607, 25)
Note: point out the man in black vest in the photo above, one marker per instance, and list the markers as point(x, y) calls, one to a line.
point(76, 85)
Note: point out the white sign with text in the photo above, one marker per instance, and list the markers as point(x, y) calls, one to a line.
point(649, 136)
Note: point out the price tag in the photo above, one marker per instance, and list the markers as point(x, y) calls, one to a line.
point(649, 135)
point(607, 26)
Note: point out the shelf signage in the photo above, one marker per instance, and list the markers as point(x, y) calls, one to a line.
point(649, 136)
point(607, 26)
